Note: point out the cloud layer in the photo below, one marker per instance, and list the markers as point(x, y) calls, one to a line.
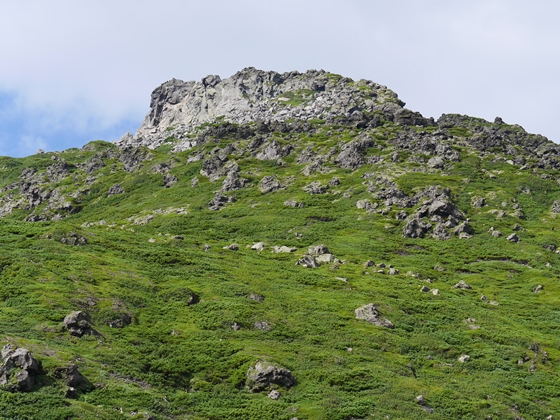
point(75, 71)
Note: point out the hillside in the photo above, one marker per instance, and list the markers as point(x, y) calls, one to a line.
point(281, 246)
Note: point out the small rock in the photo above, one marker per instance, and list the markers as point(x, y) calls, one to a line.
point(420, 399)
point(464, 358)
point(513, 238)
point(259, 246)
point(262, 325)
point(256, 297)
point(206, 247)
point(284, 249)
point(274, 395)
point(538, 289)
point(235, 326)
point(232, 247)
point(368, 264)
point(439, 268)
point(114, 190)
point(462, 285)
point(308, 261)
point(293, 203)
point(371, 314)
point(393, 271)
point(71, 393)
point(77, 324)
point(425, 289)
point(435, 292)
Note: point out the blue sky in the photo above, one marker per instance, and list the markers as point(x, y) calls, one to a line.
point(74, 71)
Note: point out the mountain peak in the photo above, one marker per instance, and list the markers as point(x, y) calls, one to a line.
point(253, 95)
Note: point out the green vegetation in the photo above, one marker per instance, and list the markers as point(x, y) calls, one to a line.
point(183, 360)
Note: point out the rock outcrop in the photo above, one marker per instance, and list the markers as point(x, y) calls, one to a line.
point(178, 107)
point(18, 369)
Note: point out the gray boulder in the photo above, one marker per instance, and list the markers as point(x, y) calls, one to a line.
point(513, 238)
point(371, 314)
point(462, 285)
point(18, 369)
point(270, 184)
point(318, 250)
point(316, 188)
point(263, 375)
point(219, 201)
point(308, 261)
point(556, 207)
point(77, 324)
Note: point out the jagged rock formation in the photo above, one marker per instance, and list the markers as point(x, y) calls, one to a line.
point(178, 107)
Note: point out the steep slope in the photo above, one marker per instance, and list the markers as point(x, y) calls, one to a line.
point(284, 260)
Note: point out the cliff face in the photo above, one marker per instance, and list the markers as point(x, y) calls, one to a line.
point(178, 107)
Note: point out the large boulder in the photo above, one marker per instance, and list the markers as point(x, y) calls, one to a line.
point(18, 369)
point(263, 375)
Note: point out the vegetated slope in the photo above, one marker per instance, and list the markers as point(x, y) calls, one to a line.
point(134, 237)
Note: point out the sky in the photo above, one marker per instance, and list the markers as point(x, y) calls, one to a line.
point(72, 72)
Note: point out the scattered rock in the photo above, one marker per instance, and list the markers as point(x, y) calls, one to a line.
point(368, 264)
point(464, 358)
point(316, 188)
point(262, 325)
point(263, 375)
point(70, 375)
point(293, 203)
point(169, 180)
point(318, 250)
point(308, 261)
point(233, 180)
point(513, 238)
point(232, 247)
point(371, 314)
point(258, 246)
point(284, 249)
point(538, 289)
point(77, 324)
point(425, 289)
point(219, 201)
point(274, 394)
point(73, 239)
point(114, 190)
point(256, 297)
point(235, 326)
point(435, 292)
point(393, 271)
point(556, 207)
point(462, 285)
point(478, 202)
point(270, 184)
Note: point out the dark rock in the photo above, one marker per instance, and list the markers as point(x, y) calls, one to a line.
point(70, 375)
point(77, 324)
point(462, 285)
point(71, 393)
point(316, 188)
point(18, 369)
point(169, 180)
point(416, 228)
point(263, 375)
point(219, 201)
point(308, 261)
point(270, 184)
point(114, 190)
point(371, 314)
point(352, 154)
point(233, 179)
point(440, 232)
point(513, 238)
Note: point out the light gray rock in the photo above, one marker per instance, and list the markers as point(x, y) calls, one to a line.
point(284, 249)
point(462, 285)
point(371, 314)
point(308, 261)
point(513, 238)
point(259, 246)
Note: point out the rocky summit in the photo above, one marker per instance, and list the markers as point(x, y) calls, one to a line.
point(283, 246)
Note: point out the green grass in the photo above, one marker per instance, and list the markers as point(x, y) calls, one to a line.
point(180, 361)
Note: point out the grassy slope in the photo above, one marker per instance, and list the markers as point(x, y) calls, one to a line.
point(171, 348)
